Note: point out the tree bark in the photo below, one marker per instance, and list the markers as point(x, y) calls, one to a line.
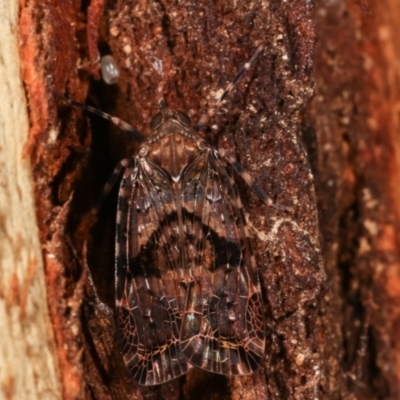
point(354, 115)
point(29, 362)
point(329, 269)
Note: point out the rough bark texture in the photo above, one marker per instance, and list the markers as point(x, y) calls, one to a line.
point(330, 336)
point(28, 360)
point(355, 117)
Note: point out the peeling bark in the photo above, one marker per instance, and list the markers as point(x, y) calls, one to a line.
point(28, 358)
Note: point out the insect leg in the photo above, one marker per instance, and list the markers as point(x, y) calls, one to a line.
point(250, 181)
point(112, 180)
point(89, 218)
point(86, 278)
point(210, 113)
point(115, 120)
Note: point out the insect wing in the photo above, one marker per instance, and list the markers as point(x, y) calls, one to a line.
point(148, 300)
point(223, 328)
point(187, 286)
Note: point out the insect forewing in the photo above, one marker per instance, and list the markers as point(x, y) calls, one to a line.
point(148, 297)
point(223, 327)
point(187, 287)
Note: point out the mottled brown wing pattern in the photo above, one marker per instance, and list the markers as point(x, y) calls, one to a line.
point(148, 300)
point(187, 287)
point(223, 327)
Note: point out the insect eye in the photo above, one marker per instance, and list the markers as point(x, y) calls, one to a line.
point(183, 118)
point(156, 121)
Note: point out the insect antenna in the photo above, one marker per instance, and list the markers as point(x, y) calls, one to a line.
point(251, 183)
point(115, 120)
point(211, 112)
point(113, 179)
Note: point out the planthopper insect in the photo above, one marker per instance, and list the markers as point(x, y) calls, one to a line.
point(187, 289)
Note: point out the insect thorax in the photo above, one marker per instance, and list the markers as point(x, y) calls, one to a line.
point(174, 146)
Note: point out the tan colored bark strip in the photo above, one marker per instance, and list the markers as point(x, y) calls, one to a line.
point(28, 363)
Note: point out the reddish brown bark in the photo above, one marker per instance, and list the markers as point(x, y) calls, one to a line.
point(355, 117)
point(345, 136)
